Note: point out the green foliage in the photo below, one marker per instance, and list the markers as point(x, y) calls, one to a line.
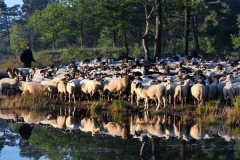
point(119, 105)
point(17, 40)
point(12, 62)
point(97, 106)
point(136, 50)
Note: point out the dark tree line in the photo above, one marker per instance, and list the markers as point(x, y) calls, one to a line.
point(208, 27)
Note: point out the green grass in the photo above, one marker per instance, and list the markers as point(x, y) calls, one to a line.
point(119, 106)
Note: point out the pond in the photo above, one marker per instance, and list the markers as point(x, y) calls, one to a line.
point(72, 133)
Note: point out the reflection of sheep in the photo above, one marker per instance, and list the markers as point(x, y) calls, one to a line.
point(140, 128)
point(196, 132)
point(151, 92)
point(198, 92)
point(114, 129)
point(89, 125)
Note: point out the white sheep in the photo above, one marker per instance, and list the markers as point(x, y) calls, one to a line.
point(8, 83)
point(229, 92)
point(62, 90)
point(73, 88)
point(170, 89)
point(52, 88)
point(31, 87)
point(198, 92)
point(151, 92)
point(181, 92)
point(115, 85)
point(213, 90)
point(90, 87)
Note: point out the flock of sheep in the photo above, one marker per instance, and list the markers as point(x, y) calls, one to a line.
point(172, 80)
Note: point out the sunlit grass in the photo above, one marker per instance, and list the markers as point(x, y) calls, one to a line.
point(233, 114)
point(38, 101)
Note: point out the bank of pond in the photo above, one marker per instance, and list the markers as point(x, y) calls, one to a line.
point(76, 133)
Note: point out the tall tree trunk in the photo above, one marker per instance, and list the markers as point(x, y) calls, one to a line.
point(158, 33)
point(195, 34)
point(186, 29)
point(126, 44)
point(146, 34)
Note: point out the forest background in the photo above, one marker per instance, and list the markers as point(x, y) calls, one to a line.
point(61, 31)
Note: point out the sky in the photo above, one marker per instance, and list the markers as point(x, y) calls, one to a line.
point(11, 3)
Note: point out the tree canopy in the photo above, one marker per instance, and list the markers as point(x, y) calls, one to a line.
point(209, 27)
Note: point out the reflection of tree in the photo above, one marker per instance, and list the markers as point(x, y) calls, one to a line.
point(2, 138)
point(143, 147)
point(155, 148)
point(80, 145)
point(183, 150)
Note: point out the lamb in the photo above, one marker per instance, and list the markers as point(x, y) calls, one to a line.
point(181, 92)
point(198, 92)
point(8, 83)
point(151, 92)
point(90, 87)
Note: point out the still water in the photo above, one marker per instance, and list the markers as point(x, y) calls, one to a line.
point(70, 133)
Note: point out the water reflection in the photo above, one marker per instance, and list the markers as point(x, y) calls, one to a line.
point(73, 133)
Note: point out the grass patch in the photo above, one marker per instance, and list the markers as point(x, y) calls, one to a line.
point(98, 106)
point(233, 114)
point(119, 106)
point(36, 101)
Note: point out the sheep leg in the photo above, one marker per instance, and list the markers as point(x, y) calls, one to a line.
point(158, 105)
point(146, 104)
point(74, 100)
point(164, 102)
